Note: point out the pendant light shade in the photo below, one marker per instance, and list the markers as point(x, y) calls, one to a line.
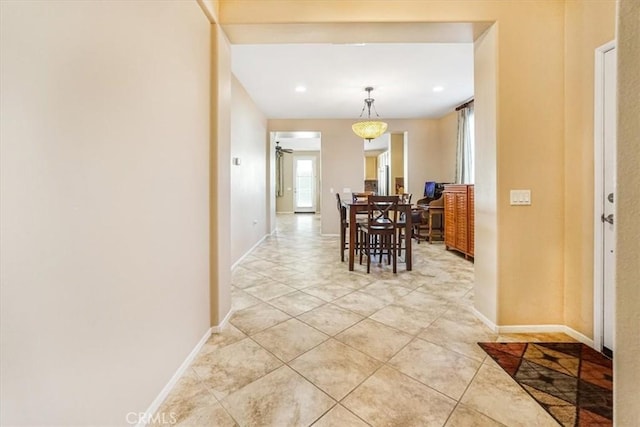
point(369, 129)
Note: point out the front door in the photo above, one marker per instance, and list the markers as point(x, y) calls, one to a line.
point(605, 199)
point(304, 184)
point(608, 199)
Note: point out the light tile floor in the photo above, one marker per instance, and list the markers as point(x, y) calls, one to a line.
point(311, 343)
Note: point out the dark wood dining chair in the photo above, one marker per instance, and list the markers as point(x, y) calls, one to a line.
point(344, 225)
point(361, 196)
point(404, 199)
point(430, 223)
point(379, 232)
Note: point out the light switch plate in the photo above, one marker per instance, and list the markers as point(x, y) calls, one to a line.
point(520, 197)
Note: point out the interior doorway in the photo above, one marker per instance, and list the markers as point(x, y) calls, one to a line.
point(297, 166)
point(605, 198)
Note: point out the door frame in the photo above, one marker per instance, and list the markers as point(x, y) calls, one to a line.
point(314, 162)
point(598, 189)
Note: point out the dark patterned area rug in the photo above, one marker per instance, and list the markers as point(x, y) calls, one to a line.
point(571, 381)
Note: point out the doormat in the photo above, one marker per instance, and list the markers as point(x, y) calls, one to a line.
point(571, 381)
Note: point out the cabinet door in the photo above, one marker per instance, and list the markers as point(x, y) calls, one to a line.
point(450, 220)
point(471, 205)
point(461, 222)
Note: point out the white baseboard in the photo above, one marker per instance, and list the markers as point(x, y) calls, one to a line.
point(532, 329)
point(155, 405)
point(246, 254)
point(529, 329)
point(220, 327)
point(485, 320)
point(579, 336)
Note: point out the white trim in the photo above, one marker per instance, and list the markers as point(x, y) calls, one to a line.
point(285, 213)
point(579, 336)
point(532, 329)
point(485, 320)
point(235, 264)
point(155, 405)
point(598, 165)
point(221, 326)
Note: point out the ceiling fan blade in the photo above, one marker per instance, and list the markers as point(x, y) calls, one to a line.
point(279, 149)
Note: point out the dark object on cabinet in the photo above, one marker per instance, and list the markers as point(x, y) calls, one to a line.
point(459, 218)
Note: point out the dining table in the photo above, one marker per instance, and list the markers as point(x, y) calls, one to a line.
point(361, 207)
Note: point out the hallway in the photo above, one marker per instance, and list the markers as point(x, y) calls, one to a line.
point(310, 343)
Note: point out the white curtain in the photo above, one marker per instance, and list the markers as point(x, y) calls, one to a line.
point(465, 154)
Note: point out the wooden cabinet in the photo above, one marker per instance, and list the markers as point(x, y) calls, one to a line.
point(459, 218)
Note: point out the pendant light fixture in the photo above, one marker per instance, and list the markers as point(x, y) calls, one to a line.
point(369, 129)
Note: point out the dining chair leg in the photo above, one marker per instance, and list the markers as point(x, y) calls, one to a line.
point(368, 253)
point(395, 258)
point(362, 244)
point(390, 248)
point(343, 232)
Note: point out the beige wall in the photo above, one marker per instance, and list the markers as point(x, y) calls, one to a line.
point(396, 154)
point(486, 297)
point(422, 153)
point(448, 140)
point(284, 203)
point(104, 229)
point(371, 167)
point(249, 203)
point(627, 335)
point(220, 177)
point(529, 155)
point(588, 24)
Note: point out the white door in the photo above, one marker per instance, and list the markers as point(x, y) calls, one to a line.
point(304, 184)
point(604, 199)
point(608, 198)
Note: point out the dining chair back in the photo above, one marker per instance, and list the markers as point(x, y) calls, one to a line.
point(362, 196)
point(379, 232)
point(405, 198)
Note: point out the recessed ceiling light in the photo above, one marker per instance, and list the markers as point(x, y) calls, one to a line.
point(438, 88)
point(301, 89)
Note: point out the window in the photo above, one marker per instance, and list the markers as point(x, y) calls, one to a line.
point(465, 153)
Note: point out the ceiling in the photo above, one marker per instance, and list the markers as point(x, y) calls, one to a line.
point(333, 70)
